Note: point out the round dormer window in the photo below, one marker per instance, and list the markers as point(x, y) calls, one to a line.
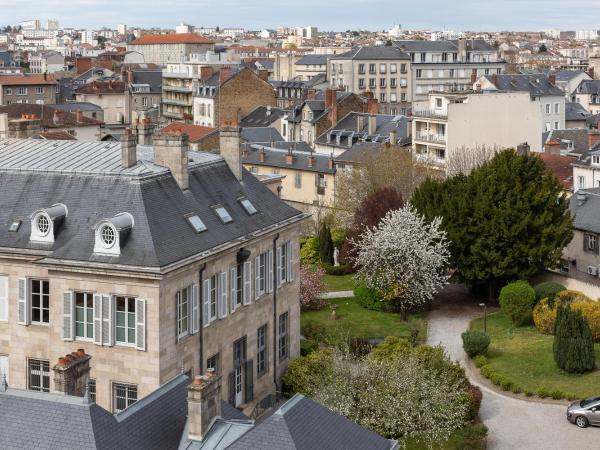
point(43, 224)
point(107, 236)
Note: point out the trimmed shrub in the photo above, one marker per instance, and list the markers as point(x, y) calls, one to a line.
point(309, 250)
point(475, 342)
point(342, 269)
point(480, 361)
point(475, 397)
point(517, 300)
point(306, 372)
point(573, 345)
point(392, 347)
point(548, 290)
point(307, 347)
point(367, 297)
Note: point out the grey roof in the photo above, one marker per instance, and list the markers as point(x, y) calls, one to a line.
point(313, 60)
point(537, 84)
point(567, 75)
point(276, 157)
point(443, 45)
point(574, 111)
point(587, 213)
point(374, 52)
point(261, 134)
point(589, 87)
point(262, 116)
point(578, 137)
point(77, 106)
point(87, 177)
point(303, 424)
point(6, 59)
point(354, 128)
point(358, 151)
point(152, 78)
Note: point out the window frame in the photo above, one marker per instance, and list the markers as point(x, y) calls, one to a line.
point(44, 372)
point(261, 350)
point(41, 308)
point(181, 317)
point(126, 327)
point(213, 362)
point(88, 296)
point(126, 386)
point(283, 336)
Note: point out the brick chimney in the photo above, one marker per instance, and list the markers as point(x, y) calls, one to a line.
point(552, 78)
point(329, 96)
point(78, 116)
point(263, 74)
point(473, 76)
point(372, 106)
point(130, 76)
point(204, 404)
point(206, 72)
point(552, 146)
point(593, 137)
point(372, 125)
point(495, 79)
point(360, 122)
point(171, 151)
point(262, 155)
point(289, 158)
point(590, 72)
point(334, 110)
point(330, 162)
point(145, 129)
point(224, 74)
point(72, 373)
point(128, 149)
point(229, 147)
point(311, 94)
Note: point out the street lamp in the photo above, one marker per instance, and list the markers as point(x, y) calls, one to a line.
point(484, 316)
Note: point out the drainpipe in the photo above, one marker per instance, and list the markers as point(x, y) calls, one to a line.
point(201, 320)
point(275, 312)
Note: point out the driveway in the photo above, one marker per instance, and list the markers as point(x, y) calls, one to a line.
point(513, 423)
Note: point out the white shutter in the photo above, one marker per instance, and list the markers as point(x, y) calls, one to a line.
point(232, 283)
point(290, 261)
point(68, 316)
point(279, 266)
point(107, 313)
point(223, 290)
point(257, 277)
point(206, 302)
point(3, 298)
point(269, 271)
point(140, 324)
point(190, 309)
point(22, 302)
point(4, 368)
point(195, 308)
point(247, 294)
point(97, 319)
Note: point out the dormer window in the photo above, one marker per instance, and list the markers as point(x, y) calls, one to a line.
point(111, 234)
point(14, 226)
point(596, 159)
point(46, 223)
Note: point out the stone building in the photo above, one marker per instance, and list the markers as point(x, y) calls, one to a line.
point(38, 89)
point(155, 260)
point(164, 48)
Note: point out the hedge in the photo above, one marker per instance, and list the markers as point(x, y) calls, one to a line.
point(548, 290)
point(475, 342)
point(366, 297)
point(517, 300)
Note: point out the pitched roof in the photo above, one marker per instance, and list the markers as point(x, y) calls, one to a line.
point(102, 87)
point(317, 60)
point(560, 166)
point(354, 128)
point(171, 38)
point(443, 45)
point(262, 116)
point(574, 111)
point(194, 132)
point(585, 207)
point(536, 84)
point(375, 52)
point(589, 87)
point(261, 134)
point(51, 117)
point(27, 80)
point(60, 135)
point(276, 153)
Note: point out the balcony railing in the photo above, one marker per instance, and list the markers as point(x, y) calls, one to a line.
point(171, 101)
point(428, 137)
point(169, 88)
point(167, 74)
point(172, 115)
point(430, 113)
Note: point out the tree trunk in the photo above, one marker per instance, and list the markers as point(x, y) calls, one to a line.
point(403, 313)
point(492, 290)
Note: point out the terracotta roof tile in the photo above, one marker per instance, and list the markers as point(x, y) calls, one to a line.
point(172, 38)
point(51, 117)
point(18, 80)
point(560, 166)
point(194, 132)
point(102, 87)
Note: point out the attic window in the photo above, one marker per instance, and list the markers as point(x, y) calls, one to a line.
point(196, 223)
point(107, 236)
point(595, 159)
point(248, 206)
point(43, 224)
point(14, 227)
point(223, 214)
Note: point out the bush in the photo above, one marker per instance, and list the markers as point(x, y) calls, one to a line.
point(543, 392)
point(309, 251)
point(475, 342)
point(342, 269)
point(305, 373)
point(471, 437)
point(573, 345)
point(475, 397)
point(307, 347)
point(487, 371)
point(556, 394)
point(367, 297)
point(338, 236)
point(311, 288)
point(517, 300)
point(548, 290)
point(392, 347)
point(313, 331)
point(480, 361)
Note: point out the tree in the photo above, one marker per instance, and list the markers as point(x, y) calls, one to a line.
point(403, 258)
point(517, 300)
point(311, 287)
point(573, 346)
point(325, 245)
point(507, 219)
point(542, 49)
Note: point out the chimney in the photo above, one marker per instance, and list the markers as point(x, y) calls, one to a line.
point(72, 373)
point(224, 74)
point(289, 158)
point(495, 79)
point(329, 96)
point(229, 147)
point(368, 95)
point(552, 78)
point(145, 129)
point(55, 117)
point(590, 72)
point(262, 154)
point(171, 151)
point(45, 76)
point(206, 72)
point(78, 116)
point(462, 50)
point(372, 106)
point(393, 137)
point(473, 76)
point(3, 126)
point(311, 94)
point(372, 126)
point(130, 76)
point(204, 404)
point(334, 110)
point(128, 149)
point(360, 122)
point(311, 160)
point(330, 162)
point(552, 147)
point(593, 137)
point(24, 128)
point(263, 74)
point(523, 149)
point(268, 111)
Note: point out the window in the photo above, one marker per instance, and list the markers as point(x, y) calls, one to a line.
point(39, 375)
point(43, 224)
point(124, 395)
point(283, 336)
point(183, 305)
point(298, 180)
point(402, 68)
point(371, 68)
point(212, 297)
point(423, 56)
point(382, 97)
point(403, 97)
point(261, 274)
point(84, 315)
point(8, 91)
point(237, 285)
point(40, 301)
point(253, 169)
point(580, 182)
point(248, 206)
point(284, 129)
point(556, 108)
point(361, 83)
point(382, 68)
point(393, 82)
point(393, 68)
point(321, 183)
point(125, 320)
point(284, 263)
point(419, 73)
point(393, 98)
point(556, 125)
point(92, 389)
point(382, 82)
point(275, 171)
point(261, 351)
point(595, 159)
point(591, 242)
point(361, 68)
point(22, 91)
point(213, 363)
point(39, 90)
point(107, 236)
point(196, 223)
point(223, 214)
point(547, 108)
point(372, 82)
point(144, 101)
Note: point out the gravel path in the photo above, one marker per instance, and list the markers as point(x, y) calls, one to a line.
point(513, 423)
point(337, 294)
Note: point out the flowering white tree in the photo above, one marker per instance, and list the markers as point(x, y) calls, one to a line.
point(403, 258)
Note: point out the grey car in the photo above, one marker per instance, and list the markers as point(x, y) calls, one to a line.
point(585, 412)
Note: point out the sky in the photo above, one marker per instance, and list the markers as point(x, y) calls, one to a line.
point(458, 15)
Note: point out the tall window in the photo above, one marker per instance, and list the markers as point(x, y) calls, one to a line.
point(84, 315)
point(213, 363)
point(361, 68)
point(298, 180)
point(40, 301)
point(92, 389)
point(237, 285)
point(214, 280)
point(183, 304)
point(371, 68)
point(261, 274)
point(283, 336)
point(125, 320)
point(261, 351)
point(39, 375)
point(124, 395)
point(592, 242)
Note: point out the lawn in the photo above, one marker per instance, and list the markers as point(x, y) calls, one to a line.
point(338, 283)
point(354, 321)
point(524, 356)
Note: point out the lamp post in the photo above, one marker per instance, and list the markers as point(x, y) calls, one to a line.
point(484, 316)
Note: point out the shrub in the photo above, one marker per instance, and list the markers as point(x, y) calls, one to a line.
point(480, 361)
point(338, 236)
point(487, 371)
point(517, 300)
point(342, 269)
point(475, 397)
point(307, 347)
point(543, 392)
point(556, 394)
point(573, 345)
point(436, 360)
point(548, 290)
point(471, 437)
point(304, 373)
point(544, 316)
point(313, 331)
point(311, 288)
point(515, 389)
point(309, 251)
point(475, 342)
point(506, 384)
point(367, 297)
point(392, 347)
point(528, 393)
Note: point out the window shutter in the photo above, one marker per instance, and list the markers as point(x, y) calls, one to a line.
point(97, 319)
point(22, 302)
point(3, 297)
point(249, 381)
point(107, 311)
point(231, 383)
point(206, 302)
point(232, 282)
point(279, 266)
point(270, 271)
point(247, 294)
point(290, 261)
point(140, 324)
point(68, 316)
point(195, 308)
point(257, 277)
point(190, 309)
point(223, 289)
point(177, 300)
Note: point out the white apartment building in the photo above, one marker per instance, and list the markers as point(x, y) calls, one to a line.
point(122, 28)
point(173, 47)
point(88, 37)
point(46, 62)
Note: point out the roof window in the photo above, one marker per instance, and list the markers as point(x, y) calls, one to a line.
point(196, 223)
point(111, 234)
point(223, 214)
point(248, 206)
point(14, 226)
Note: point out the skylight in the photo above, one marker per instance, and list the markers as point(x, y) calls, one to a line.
point(248, 206)
point(223, 214)
point(15, 226)
point(196, 223)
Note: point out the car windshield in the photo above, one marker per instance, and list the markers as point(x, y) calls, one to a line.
point(589, 400)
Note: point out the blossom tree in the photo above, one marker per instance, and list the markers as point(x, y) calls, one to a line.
point(311, 287)
point(403, 258)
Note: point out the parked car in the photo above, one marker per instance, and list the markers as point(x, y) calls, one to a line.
point(585, 412)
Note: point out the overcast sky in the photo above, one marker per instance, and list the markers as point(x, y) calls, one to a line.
point(325, 14)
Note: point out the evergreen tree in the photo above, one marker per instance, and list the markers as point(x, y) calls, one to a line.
point(325, 245)
point(573, 345)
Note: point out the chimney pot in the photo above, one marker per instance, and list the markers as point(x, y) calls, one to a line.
point(230, 147)
point(204, 404)
point(171, 151)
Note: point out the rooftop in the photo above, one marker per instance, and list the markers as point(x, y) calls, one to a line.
point(27, 80)
point(171, 38)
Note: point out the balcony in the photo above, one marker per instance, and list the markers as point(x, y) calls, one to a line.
point(430, 113)
point(185, 75)
point(168, 88)
point(432, 138)
point(172, 101)
point(172, 115)
point(425, 158)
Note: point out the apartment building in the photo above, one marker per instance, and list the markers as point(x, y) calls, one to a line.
point(310, 66)
point(454, 131)
point(451, 65)
point(165, 48)
point(37, 89)
point(46, 62)
point(111, 96)
point(587, 95)
point(385, 71)
point(154, 261)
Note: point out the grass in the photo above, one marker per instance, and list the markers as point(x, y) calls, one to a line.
point(338, 283)
point(471, 437)
point(524, 356)
point(354, 321)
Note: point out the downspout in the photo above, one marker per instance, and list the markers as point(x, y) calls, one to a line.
point(275, 312)
point(201, 308)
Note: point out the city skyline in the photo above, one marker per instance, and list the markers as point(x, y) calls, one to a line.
point(530, 15)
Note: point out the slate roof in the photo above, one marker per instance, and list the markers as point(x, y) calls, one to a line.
point(76, 106)
point(354, 128)
point(577, 136)
point(537, 85)
point(261, 134)
point(589, 87)
point(313, 60)
point(373, 52)
point(87, 177)
point(276, 157)
point(153, 78)
point(358, 151)
point(442, 45)
point(574, 111)
point(567, 75)
point(586, 214)
point(262, 116)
